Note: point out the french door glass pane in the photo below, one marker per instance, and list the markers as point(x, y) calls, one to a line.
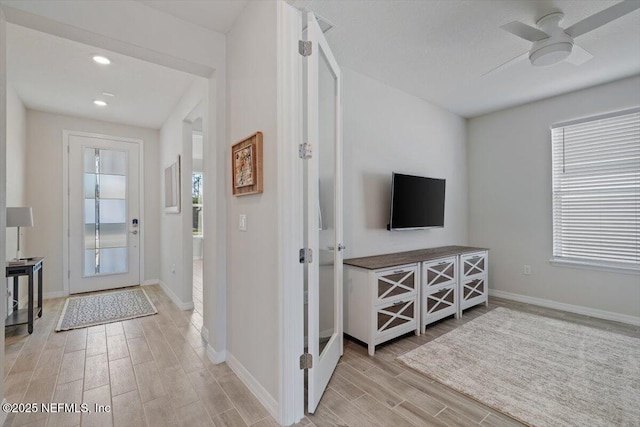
point(89, 185)
point(113, 211)
point(105, 211)
point(327, 89)
point(113, 162)
point(113, 186)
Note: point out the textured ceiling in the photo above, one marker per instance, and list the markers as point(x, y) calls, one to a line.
point(439, 49)
point(215, 15)
point(58, 75)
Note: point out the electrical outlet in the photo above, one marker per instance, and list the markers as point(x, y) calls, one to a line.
point(526, 270)
point(173, 268)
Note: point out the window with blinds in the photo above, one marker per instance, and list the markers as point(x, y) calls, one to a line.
point(596, 190)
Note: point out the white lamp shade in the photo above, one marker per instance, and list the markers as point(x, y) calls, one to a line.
point(19, 217)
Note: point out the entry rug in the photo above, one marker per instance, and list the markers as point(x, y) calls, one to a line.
point(540, 371)
point(98, 309)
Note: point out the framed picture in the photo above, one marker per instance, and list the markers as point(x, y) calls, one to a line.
point(172, 187)
point(246, 165)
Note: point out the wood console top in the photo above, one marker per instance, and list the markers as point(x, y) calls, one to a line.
point(399, 258)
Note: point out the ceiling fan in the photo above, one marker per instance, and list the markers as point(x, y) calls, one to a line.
point(553, 44)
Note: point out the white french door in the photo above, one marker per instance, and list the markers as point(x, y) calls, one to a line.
point(323, 199)
point(104, 207)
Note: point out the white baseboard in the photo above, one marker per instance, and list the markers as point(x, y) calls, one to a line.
point(150, 282)
point(254, 386)
point(216, 356)
point(52, 295)
point(204, 333)
point(578, 309)
point(3, 415)
point(177, 301)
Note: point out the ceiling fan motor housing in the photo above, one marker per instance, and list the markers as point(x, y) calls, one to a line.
point(554, 48)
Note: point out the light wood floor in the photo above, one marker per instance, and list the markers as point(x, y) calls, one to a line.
point(153, 371)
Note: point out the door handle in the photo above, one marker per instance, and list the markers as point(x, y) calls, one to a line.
point(341, 247)
point(134, 232)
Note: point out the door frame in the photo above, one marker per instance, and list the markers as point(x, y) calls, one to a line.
point(65, 198)
point(290, 214)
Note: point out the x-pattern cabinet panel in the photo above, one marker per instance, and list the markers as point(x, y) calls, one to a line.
point(439, 290)
point(473, 280)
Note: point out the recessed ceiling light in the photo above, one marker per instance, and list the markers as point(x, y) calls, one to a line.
point(108, 94)
point(102, 60)
point(100, 103)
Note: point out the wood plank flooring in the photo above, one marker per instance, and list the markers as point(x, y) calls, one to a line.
point(154, 371)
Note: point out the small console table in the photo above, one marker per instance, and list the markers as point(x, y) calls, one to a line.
point(25, 268)
point(389, 295)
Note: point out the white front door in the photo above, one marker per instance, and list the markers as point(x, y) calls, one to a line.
point(104, 206)
point(323, 199)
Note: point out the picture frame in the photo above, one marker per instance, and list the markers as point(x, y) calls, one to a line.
point(246, 166)
point(172, 187)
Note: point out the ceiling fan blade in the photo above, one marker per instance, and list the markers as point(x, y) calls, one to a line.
point(525, 31)
point(578, 56)
point(507, 64)
point(603, 17)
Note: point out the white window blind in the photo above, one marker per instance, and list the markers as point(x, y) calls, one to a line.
point(596, 190)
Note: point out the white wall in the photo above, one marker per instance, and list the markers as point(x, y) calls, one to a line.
point(510, 200)
point(44, 188)
point(252, 256)
point(386, 130)
point(175, 228)
point(16, 179)
point(16, 164)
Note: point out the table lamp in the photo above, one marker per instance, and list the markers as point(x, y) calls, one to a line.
point(19, 217)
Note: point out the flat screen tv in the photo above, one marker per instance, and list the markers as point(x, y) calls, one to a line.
point(416, 202)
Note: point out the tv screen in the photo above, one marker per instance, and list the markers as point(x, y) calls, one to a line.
point(416, 202)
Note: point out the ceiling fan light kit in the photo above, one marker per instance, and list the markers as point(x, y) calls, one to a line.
point(550, 53)
point(555, 47)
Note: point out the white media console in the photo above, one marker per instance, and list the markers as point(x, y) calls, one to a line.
point(389, 295)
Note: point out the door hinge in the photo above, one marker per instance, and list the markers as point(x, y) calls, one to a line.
point(305, 151)
point(68, 274)
point(306, 361)
point(306, 256)
point(304, 47)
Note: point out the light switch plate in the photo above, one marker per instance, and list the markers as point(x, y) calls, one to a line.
point(242, 224)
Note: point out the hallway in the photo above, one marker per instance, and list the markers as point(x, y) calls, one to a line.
point(152, 371)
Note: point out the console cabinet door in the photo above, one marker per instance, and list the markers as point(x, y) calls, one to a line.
point(439, 304)
point(473, 292)
point(439, 273)
point(395, 283)
point(394, 316)
point(473, 265)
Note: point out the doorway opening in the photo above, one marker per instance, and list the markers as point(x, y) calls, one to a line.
point(197, 213)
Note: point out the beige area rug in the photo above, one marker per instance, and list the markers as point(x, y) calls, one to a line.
point(541, 371)
point(107, 307)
